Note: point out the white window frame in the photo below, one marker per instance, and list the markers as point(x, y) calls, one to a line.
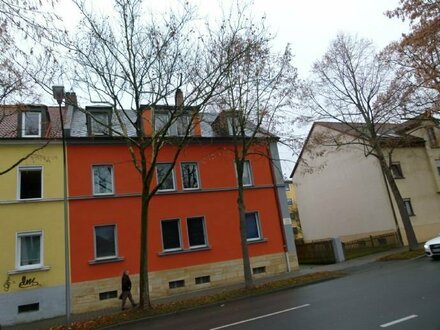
point(179, 230)
point(246, 167)
point(172, 174)
point(23, 124)
point(95, 193)
point(257, 219)
point(18, 250)
point(205, 236)
point(28, 168)
point(197, 174)
point(115, 233)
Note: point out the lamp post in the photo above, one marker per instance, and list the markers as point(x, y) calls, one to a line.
point(58, 94)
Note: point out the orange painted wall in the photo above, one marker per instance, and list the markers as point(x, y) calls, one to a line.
point(216, 170)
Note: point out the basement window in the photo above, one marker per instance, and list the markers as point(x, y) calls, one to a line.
point(28, 308)
point(259, 270)
point(108, 295)
point(176, 284)
point(203, 279)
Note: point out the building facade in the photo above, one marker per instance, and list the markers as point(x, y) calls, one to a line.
point(193, 235)
point(32, 269)
point(342, 193)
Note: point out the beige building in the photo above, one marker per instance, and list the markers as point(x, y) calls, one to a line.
point(292, 206)
point(342, 193)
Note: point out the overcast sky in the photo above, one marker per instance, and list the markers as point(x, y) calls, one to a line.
point(308, 26)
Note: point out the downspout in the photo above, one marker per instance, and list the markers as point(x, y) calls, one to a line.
point(399, 234)
point(280, 220)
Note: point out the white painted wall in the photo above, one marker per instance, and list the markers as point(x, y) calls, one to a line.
point(341, 193)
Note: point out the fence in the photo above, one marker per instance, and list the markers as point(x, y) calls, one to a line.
point(322, 251)
point(317, 252)
point(369, 245)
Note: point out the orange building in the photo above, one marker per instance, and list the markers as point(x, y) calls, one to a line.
point(193, 235)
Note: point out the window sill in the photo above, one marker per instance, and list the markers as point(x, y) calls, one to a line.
point(105, 261)
point(104, 195)
point(31, 270)
point(261, 240)
point(189, 250)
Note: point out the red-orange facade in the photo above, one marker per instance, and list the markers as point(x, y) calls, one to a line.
point(214, 201)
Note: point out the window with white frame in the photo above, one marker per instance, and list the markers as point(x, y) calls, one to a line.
point(31, 124)
point(102, 179)
point(171, 237)
point(105, 242)
point(253, 230)
point(408, 206)
point(29, 250)
point(437, 164)
point(100, 123)
point(165, 177)
point(30, 182)
point(247, 173)
point(196, 232)
point(190, 175)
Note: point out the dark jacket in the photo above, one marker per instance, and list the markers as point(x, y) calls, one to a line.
point(126, 283)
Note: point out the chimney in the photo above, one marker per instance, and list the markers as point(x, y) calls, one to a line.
point(179, 98)
point(70, 99)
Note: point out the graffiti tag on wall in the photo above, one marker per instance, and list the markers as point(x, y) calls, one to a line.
point(25, 283)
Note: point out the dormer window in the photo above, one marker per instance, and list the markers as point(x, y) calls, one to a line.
point(99, 123)
point(161, 119)
point(182, 124)
point(31, 124)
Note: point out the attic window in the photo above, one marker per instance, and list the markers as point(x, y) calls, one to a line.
point(99, 121)
point(31, 124)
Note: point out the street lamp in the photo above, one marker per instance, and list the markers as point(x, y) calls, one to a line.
point(58, 94)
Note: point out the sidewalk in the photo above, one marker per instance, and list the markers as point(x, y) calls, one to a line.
point(304, 269)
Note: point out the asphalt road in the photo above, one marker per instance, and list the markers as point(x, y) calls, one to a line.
point(388, 295)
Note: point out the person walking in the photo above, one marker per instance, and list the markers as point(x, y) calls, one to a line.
point(126, 289)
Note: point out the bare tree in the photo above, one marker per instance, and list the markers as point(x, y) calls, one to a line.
point(256, 91)
point(25, 28)
point(137, 61)
point(350, 85)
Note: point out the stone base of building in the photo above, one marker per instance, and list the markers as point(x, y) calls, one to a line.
point(94, 295)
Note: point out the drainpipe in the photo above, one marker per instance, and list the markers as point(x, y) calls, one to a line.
point(279, 208)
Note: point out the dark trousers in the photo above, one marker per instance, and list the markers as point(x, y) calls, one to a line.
point(125, 295)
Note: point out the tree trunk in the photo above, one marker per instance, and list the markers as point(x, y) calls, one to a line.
point(144, 293)
point(249, 282)
point(410, 235)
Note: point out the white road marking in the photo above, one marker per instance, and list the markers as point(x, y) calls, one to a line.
point(398, 321)
point(260, 317)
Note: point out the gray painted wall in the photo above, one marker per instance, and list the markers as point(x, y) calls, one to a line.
point(52, 303)
point(282, 199)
